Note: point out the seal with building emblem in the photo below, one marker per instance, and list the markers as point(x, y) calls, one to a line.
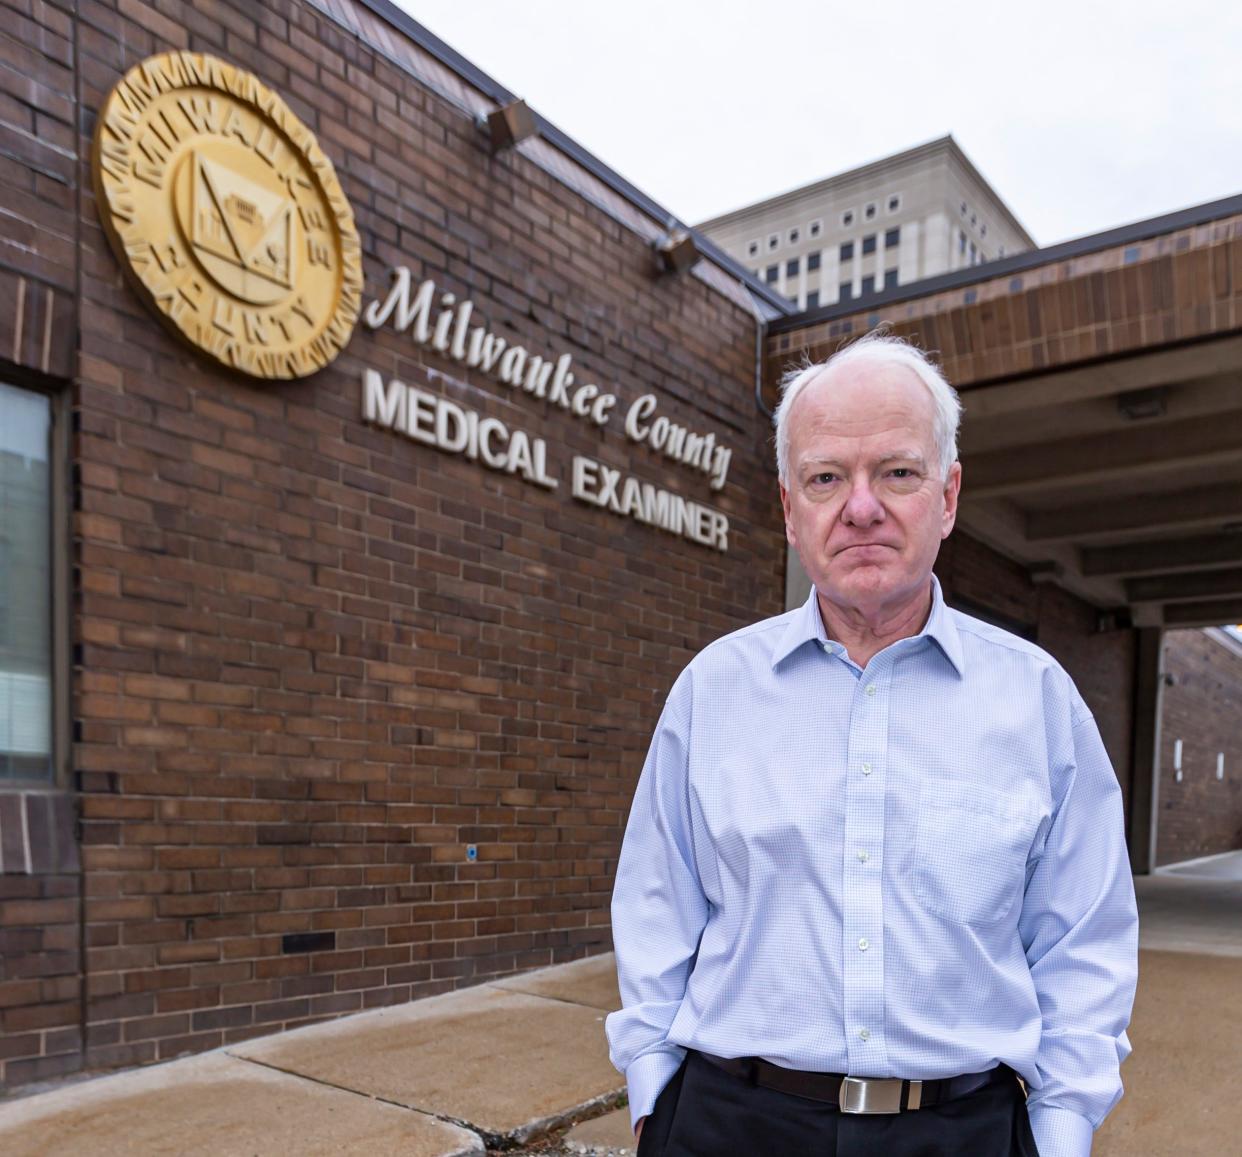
point(227, 215)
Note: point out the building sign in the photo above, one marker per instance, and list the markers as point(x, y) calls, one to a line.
point(449, 327)
point(227, 216)
point(231, 223)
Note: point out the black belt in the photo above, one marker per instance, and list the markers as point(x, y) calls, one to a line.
point(857, 1094)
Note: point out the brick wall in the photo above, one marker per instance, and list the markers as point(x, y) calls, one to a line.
point(40, 976)
point(319, 660)
point(38, 158)
point(40, 982)
point(1201, 815)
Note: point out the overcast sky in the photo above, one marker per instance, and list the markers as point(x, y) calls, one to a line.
point(1083, 115)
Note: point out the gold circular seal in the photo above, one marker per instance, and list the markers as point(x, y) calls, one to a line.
point(227, 215)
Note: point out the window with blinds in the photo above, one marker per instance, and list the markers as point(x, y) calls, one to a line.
point(25, 585)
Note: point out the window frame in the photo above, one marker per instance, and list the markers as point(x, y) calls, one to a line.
point(59, 612)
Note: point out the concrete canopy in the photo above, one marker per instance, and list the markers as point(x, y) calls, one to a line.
point(1102, 385)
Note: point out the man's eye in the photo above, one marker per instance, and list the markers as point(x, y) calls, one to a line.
point(822, 479)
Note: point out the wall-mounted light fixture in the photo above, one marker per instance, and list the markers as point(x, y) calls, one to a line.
point(1139, 404)
point(1220, 765)
point(678, 251)
point(1045, 571)
point(1177, 759)
point(510, 125)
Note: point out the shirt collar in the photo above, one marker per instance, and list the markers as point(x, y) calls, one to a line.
point(806, 626)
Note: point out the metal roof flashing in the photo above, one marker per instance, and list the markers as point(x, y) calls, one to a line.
point(765, 302)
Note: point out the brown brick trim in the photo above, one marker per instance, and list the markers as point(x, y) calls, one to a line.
point(38, 833)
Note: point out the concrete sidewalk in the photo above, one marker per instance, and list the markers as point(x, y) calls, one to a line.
point(497, 1065)
point(524, 1061)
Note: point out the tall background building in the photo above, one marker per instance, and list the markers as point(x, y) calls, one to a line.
point(910, 216)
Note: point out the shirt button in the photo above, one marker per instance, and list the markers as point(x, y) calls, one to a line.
point(864, 1034)
point(866, 769)
point(870, 688)
point(864, 944)
point(863, 857)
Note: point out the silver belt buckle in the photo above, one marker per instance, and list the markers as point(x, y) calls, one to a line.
point(874, 1094)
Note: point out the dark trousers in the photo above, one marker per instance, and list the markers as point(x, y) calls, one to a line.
point(705, 1112)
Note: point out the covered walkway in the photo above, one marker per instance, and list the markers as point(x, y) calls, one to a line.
point(1102, 440)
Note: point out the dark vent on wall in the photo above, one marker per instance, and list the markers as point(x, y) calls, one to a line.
point(307, 942)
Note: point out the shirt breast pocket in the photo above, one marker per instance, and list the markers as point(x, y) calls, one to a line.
point(970, 851)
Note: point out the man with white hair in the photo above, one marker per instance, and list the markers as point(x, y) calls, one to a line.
point(875, 869)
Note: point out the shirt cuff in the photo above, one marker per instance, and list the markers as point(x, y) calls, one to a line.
point(1060, 1132)
point(647, 1076)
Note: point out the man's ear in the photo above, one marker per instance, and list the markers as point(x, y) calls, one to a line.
point(952, 488)
point(789, 530)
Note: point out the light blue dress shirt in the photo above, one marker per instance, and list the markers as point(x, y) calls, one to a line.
point(916, 869)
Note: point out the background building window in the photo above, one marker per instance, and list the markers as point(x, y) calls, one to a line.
point(894, 203)
point(817, 227)
point(973, 253)
point(868, 244)
point(25, 585)
point(774, 240)
point(812, 262)
point(868, 285)
point(847, 218)
point(771, 273)
point(890, 279)
point(793, 236)
point(869, 211)
point(892, 238)
point(961, 241)
point(845, 292)
point(791, 267)
point(752, 250)
point(812, 300)
point(963, 208)
point(847, 250)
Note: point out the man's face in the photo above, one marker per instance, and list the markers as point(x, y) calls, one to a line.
point(865, 507)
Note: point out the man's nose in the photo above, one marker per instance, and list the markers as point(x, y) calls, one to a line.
point(862, 507)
